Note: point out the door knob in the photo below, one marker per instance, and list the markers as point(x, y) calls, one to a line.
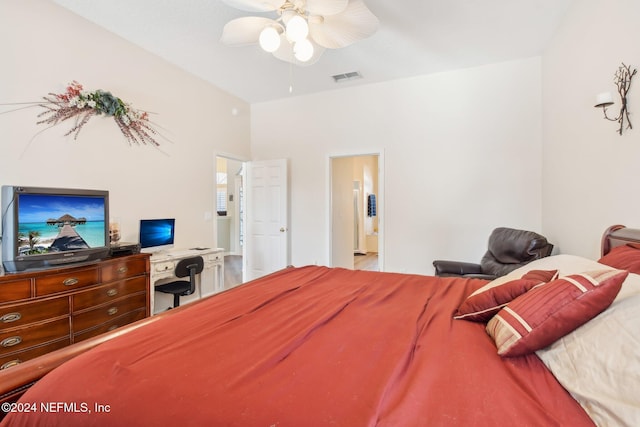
point(282, 229)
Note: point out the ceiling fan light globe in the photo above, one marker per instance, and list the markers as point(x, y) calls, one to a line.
point(269, 39)
point(297, 28)
point(303, 50)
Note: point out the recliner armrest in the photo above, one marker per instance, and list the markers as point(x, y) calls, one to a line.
point(456, 268)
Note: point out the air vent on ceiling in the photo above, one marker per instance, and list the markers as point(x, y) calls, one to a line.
point(347, 76)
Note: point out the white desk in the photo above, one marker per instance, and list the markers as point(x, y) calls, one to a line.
point(163, 265)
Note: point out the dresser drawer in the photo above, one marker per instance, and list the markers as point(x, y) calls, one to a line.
point(106, 293)
point(15, 315)
point(15, 290)
point(109, 311)
point(66, 281)
point(7, 361)
point(32, 335)
point(111, 325)
point(123, 269)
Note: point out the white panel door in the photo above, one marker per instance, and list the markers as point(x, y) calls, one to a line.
point(342, 212)
point(267, 235)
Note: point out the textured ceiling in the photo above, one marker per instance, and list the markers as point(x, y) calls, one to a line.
point(415, 37)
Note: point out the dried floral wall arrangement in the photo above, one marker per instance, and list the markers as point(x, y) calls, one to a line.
point(80, 106)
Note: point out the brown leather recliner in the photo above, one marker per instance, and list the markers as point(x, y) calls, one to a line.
point(508, 249)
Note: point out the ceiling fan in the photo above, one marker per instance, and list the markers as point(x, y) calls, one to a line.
point(302, 29)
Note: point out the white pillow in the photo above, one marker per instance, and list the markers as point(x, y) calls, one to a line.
point(572, 264)
point(565, 264)
point(630, 287)
point(598, 363)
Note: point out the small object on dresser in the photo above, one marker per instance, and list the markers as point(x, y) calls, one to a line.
point(124, 248)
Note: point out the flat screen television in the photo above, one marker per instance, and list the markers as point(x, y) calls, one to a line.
point(157, 234)
point(49, 227)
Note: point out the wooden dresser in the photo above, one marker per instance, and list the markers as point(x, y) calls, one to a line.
point(42, 311)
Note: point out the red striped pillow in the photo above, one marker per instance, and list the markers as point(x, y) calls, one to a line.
point(542, 275)
point(484, 303)
point(625, 257)
point(544, 314)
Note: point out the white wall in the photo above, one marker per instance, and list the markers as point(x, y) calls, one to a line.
point(462, 154)
point(591, 175)
point(464, 151)
point(43, 48)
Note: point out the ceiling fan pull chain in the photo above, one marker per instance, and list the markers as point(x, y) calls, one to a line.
point(291, 77)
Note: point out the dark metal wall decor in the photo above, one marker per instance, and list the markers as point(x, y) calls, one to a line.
point(622, 80)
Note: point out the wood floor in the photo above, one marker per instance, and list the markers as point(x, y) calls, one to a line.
point(367, 262)
point(233, 267)
point(232, 271)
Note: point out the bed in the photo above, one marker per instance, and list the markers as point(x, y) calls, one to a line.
point(318, 346)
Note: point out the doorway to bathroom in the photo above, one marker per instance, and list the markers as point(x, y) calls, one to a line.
point(355, 211)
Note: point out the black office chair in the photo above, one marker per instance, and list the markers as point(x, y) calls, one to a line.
point(186, 267)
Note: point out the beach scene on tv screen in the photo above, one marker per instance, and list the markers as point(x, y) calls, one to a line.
point(55, 223)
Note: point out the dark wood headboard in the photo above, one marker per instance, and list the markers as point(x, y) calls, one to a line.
point(618, 235)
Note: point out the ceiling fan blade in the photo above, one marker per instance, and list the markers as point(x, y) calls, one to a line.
point(285, 53)
point(255, 5)
point(355, 23)
point(326, 7)
point(243, 31)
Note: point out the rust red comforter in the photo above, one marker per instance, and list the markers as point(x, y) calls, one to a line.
point(307, 346)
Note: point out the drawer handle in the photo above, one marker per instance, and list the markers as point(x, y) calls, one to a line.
point(10, 364)
point(70, 281)
point(11, 317)
point(122, 270)
point(112, 328)
point(112, 292)
point(11, 341)
point(112, 311)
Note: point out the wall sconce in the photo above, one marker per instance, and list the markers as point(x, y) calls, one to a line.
point(622, 79)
